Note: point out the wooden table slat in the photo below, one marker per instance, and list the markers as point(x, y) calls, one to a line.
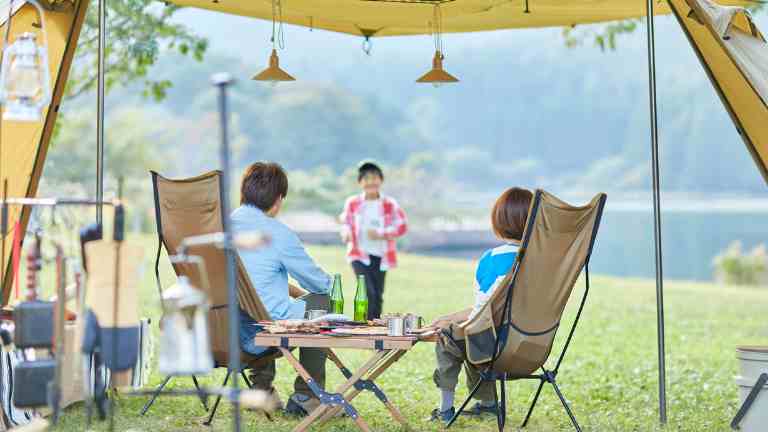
point(325, 341)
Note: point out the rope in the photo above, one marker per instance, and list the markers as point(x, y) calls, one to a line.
point(278, 35)
point(437, 28)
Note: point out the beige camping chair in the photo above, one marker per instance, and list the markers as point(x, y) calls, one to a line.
point(191, 207)
point(512, 336)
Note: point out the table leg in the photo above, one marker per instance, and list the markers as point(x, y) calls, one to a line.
point(331, 400)
point(368, 384)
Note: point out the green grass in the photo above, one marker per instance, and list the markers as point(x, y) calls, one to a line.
point(609, 374)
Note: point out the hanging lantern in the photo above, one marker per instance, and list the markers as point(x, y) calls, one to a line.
point(24, 78)
point(185, 347)
point(437, 75)
point(273, 73)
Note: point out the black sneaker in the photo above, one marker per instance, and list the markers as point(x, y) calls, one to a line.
point(301, 405)
point(479, 410)
point(443, 416)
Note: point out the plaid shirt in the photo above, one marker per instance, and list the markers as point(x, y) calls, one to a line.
point(395, 225)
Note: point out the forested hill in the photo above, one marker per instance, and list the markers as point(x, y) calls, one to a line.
point(528, 109)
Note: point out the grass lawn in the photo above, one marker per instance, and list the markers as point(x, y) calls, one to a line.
point(609, 374)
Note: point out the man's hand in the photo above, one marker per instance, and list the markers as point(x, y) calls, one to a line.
point(296, 292)
point(374, 235)
point(345, 237)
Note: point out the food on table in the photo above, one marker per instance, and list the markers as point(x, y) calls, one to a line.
point(360, 331)
point(293, 326)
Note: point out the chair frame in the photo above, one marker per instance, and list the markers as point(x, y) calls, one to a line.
point(546, 376)
point(160, 245)
point(200, 392)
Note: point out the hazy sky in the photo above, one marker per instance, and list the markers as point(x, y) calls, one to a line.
point(495, 67)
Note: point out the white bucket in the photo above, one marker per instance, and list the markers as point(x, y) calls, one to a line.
point(753, 361)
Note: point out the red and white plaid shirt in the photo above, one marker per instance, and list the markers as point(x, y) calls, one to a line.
point(395, 225)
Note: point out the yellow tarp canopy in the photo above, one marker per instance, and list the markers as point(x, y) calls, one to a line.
point(412, 17)
point(748, 111)
point(24, 145)
point(409, 17)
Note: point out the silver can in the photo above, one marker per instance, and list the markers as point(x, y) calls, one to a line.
point(413, 322)
point(313, 314)
point(396, 326)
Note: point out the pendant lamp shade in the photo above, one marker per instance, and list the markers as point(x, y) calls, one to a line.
point(273, 73)
point(437, 75)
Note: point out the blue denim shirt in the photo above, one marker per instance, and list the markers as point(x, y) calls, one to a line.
point(270, 267)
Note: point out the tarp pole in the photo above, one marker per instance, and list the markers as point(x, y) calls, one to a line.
point(223, 81)
point(656, 209)
point(100, 112)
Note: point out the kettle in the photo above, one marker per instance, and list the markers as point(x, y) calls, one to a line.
point(185, 347)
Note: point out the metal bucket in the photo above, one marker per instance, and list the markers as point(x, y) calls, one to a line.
point(753, 361)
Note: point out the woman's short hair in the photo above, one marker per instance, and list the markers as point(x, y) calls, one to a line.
point(510, 213)
point(263, 184)
point(369, 167)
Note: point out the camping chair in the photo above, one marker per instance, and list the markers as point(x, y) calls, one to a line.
point(191, 207)
point(512, 335)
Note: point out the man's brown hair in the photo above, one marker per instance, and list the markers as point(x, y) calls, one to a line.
point(263, 184)
point(510, 213)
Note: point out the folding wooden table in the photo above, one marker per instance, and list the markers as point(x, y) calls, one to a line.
point(386, 351)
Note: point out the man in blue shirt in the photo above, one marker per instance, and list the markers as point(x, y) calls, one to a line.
point(264, 187)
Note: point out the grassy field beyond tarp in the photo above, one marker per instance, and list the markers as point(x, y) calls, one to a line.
point(609, 374)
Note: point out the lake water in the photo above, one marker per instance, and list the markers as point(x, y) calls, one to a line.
point(690, 240)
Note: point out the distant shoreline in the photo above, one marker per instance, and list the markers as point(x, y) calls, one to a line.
point(694, 206)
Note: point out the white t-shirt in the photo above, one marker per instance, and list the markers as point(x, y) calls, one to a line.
point(371, 218)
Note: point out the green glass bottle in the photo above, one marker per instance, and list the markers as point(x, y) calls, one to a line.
point(337, 295)
point(361, 300)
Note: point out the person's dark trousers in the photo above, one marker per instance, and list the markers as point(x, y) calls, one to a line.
point(313, 359)
point(374, 284)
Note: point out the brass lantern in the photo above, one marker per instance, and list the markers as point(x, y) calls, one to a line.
point(25, 77)
point(274, 74)
point(437, 76)
point(185, 347)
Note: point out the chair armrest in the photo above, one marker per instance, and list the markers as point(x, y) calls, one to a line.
point(456, 317)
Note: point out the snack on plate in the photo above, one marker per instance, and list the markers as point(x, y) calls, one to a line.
point(332, 318)
point(377, 322)
point(360, 331)
point(382, 322)
point(293, 326)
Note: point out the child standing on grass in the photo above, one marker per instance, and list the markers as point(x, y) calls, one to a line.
point(371, 223)
point(508, 219)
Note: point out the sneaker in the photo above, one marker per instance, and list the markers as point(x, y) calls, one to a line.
point(479, 410)
point(443, 416)
point(276, 402)
point(301, 405)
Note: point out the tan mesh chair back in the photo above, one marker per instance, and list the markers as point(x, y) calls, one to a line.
point(190, 207)
point(527, 307)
